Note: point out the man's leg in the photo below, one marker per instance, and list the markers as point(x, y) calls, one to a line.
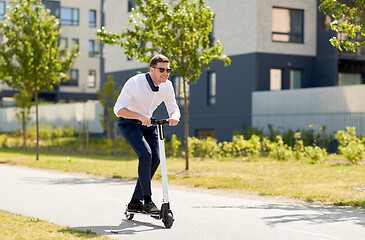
point(134, 136)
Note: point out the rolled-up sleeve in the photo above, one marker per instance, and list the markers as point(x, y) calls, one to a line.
point(125, 97)
point(170, 101)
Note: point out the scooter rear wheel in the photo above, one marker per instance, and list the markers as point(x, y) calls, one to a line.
point(129, 216)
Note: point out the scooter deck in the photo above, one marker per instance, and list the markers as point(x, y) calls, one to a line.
point(154, 215)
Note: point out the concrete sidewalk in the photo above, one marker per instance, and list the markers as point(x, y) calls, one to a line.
point(82, 202)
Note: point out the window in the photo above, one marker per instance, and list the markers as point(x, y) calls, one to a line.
point(295, 79)
point(73, 80)
point(179, 90)
point(131, 5)
point(205, 133)
point(63, 42)
point(70, 16)
point(91, 79)
point(93, 48)
point(211, 88)
point(2, 10)
point(287, 25)
point(275, 78)
point(75, 41)
point(345, 79)
point(211, 35)
point(92, 18)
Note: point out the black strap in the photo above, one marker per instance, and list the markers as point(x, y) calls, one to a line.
point(154, 88)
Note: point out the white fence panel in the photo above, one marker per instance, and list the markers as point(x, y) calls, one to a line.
point(68, 114)
point(333, 107)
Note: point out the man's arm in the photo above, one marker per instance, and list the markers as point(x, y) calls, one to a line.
point(174, 119)
point(126, 113)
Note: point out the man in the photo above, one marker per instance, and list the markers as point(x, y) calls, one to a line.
point(139, 98)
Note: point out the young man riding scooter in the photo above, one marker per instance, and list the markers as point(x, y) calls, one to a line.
point(139, 98)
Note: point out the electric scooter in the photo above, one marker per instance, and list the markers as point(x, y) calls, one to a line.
point(165, 212)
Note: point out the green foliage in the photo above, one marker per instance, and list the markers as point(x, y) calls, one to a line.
point(246, 147)
point(308, 137)
point(23, 101)
point(298, 149)
point(279, 150)
point(107, 97)
point(272, 133)
point(347, 18)
point(30, 56)
point(251, 130)
point(226, 149)
point(173, 146)
point(47, 132)
point(288, 137)
point(178, 29)
point(350, 146)
point(203, 147)
point(3, 141)
point(315, 152)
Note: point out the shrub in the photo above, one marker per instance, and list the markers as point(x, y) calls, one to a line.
point(298, 149)
point(350, 146)
point(173, 146)
point(3, 141)
point(315, 152)
point(279, 150)
point(226, 149)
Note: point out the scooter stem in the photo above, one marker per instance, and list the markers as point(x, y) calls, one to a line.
point(163, 164)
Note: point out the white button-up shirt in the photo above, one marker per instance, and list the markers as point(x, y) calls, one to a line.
point(137, 96)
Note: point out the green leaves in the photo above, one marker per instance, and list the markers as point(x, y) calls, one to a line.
point(178, 29)
point(347, 19)
point(30, 55)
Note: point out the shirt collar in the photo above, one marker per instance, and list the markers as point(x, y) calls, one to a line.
point(154, 88)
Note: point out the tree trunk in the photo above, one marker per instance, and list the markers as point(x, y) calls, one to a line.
point(186, 119)
point(37, 123)
point(24, 127)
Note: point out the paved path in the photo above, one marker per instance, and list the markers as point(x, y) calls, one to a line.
point(98, 204)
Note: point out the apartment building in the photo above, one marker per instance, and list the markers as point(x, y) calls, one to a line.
point(275, 46)
point(80, 20)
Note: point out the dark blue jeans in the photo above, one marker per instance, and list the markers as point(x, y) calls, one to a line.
point(144, 141)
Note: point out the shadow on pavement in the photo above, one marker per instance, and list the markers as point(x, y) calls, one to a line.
point(126, 227)
point(311, 214)
point(75, 181)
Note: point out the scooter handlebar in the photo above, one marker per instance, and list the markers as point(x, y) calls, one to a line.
point(161, 121)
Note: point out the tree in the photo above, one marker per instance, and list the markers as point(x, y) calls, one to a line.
point(178, 29)
point(347, 18)
point(107, 98)
point(24, 102)
point(30, 56)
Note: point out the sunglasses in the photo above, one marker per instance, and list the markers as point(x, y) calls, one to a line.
point(168, 70)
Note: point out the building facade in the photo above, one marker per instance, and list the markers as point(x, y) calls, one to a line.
point(274, 45)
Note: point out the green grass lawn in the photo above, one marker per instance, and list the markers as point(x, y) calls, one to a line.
point(330, 181)
point(14, 226)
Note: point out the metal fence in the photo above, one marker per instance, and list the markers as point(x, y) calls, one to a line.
point(333, 107)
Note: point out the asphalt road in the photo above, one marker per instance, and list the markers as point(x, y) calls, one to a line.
point(82, 202)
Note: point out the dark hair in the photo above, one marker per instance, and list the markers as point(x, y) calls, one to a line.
point(158, 58)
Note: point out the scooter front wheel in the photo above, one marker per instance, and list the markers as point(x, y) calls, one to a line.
point(168, 220)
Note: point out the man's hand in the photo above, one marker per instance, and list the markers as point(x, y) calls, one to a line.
point(145, 121)
point(173, 121)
